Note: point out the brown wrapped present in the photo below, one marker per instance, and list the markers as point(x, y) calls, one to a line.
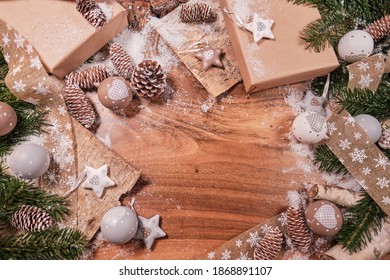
point(63, 38)
point(279, 61)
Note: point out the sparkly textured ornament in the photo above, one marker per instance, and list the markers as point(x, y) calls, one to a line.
point(355, 45)
point(149, 230)
point(29, 161)
point(97, 179)
point(31, 218)
point(210, 57)
point(298, 230)
point(119, 224)
point(380, 28)
point(313, 103)
point(115, 93)
point(370, 125)
point(79, 106)
point(261, 28)
point(121, 60)
point(88, 78)
point(269, 247)
point(91, 12)
point(148, 79)
point(324, 218)
point(309, 127)
point(197, 12)
point(384, 141)
point(8, 119)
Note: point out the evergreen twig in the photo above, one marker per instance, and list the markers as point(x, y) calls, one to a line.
point(360, 223)
point(327, 161)
point(15, 192)
point(52, 244)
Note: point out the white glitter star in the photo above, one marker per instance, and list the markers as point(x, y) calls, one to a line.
point(261, 28)
point(97, 179)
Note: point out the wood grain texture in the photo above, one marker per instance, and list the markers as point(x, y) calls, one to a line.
point(210, 175)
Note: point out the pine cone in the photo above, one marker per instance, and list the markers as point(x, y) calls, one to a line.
point(148, 79)
point(380, 28)
point(163, 7)
point(79, 106)
point(91, 12)
point(270, 246)
point(31, 218)
point(297, 229)
point(384, 141)
point(87, 78)
point(197, 12)
point(121, 60)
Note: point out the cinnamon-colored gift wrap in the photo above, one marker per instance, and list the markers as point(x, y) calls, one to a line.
point(280, 61)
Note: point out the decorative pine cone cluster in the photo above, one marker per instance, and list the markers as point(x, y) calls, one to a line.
point(298, 230)
point(79, 106)
point(148, 79)
point(380, 28)
point(197, 12)
point(269, 247)
point(91, 12)
point(31, 218)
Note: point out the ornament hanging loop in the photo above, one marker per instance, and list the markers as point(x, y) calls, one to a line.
point(194, 47)
point(240, 23)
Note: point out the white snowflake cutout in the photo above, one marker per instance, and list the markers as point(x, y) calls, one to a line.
point(6, 40)
point(345, 144)
point(244, 256)
point(211, 255)
point(358, 155)
point(386, 200)
point(238, 243)
point(19, 86)
point(226, 254)
point(35, 63)
point(365, 81)
point(19, 40)
point(363, 66)
point(253, 239)
point(366, 171)
point(382, 182)
point(381, 162)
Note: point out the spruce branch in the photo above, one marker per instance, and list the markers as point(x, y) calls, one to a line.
point(360, 223)
point(3, 66)
point(358, 101)
point(327, 161)
point(30, 121)
point(52, 244)
point(15, 192)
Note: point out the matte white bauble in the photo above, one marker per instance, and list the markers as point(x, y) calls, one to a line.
point(370, 125)
point(29, 161)
point(355, 45)
point(119, 224)
point(309, 127)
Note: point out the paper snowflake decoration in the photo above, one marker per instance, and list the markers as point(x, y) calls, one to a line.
point(261, 28)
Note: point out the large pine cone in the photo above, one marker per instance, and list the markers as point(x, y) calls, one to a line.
point(121, 60)
point(31, 218)
point(270, 246)
point(84, 6)
point(79, 106)
point(88, 78)
point(148, 79)
point(297, 229)
point(197, 12)
point(380, 28)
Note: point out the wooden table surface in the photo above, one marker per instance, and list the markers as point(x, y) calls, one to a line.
point(210, 175)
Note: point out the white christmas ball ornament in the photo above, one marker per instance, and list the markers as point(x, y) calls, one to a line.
point(355, 45)
point(370, 125)
point(29, 161)
point(309, 127)
point(119, 224)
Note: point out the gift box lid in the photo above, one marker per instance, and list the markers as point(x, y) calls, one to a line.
point(284, 59)
point(63, 38)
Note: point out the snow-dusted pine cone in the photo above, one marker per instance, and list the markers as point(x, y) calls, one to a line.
point(79, 106)
point(380, 28)
point(148, 79)
point(270, 246)
point(197, 12)
point(31, 218)
point(298, 230)
point(91, 12)
point(384, 141)
point(163, 7)
point(88, 78)
point(121, 60)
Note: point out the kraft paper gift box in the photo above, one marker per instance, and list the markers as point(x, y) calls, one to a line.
point(63, 38)
point(280, 61)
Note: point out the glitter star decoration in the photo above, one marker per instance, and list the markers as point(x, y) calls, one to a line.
point(261, 28)
point(97, 179)
point(149, 230)
point(210, 57)
point(313, 103)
